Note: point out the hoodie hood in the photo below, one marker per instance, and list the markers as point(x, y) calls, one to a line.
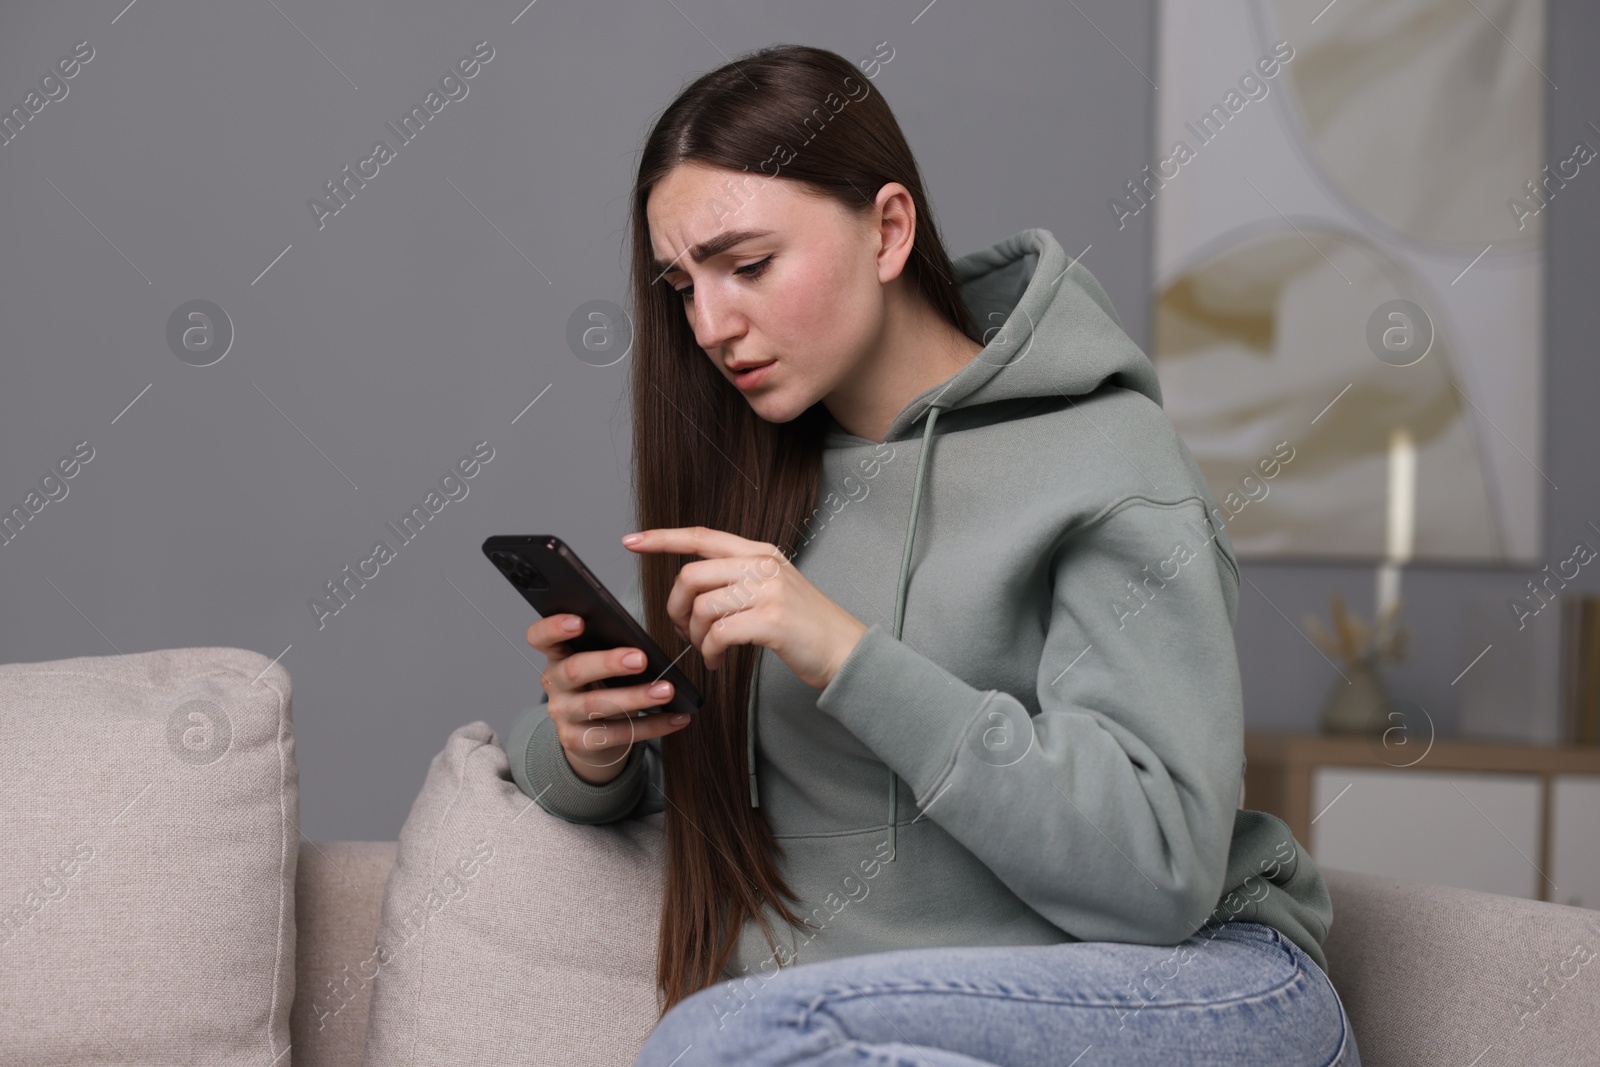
point(1058, 336)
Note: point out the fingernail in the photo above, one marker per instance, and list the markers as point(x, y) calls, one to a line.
point(660, 689)
point(633, 539)
point(571, 624)
point(633, 659)
point(679, 720)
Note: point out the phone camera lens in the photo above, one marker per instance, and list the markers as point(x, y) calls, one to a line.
point(521, 575)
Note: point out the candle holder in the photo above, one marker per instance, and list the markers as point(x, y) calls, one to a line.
point(1359, 702)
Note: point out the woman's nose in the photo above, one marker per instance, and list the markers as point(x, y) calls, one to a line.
point(715, 323)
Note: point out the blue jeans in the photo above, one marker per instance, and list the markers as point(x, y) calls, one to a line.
point(1242, 994)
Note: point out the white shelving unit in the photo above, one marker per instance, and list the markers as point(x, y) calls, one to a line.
point(1521, 820)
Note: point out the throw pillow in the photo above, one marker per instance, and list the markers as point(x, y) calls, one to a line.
point(151, 819)
point(509, 935)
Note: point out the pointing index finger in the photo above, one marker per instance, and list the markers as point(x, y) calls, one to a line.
point(687, 540)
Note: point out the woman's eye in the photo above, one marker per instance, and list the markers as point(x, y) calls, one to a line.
point(749, 270)
point(754, 270)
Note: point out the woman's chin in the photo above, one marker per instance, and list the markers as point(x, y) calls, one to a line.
point(774, 407)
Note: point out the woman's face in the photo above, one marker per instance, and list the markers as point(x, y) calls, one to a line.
point(792, 279)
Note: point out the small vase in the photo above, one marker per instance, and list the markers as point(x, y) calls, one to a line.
point(1359, 706)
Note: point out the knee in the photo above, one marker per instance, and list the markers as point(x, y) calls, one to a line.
point(752, 1001)
point(741, 1020)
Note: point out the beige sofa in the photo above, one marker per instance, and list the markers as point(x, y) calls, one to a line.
point(164, 909)
point(1431, 976)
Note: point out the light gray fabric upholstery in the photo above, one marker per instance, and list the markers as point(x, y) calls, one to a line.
point(158, 906)
point(1435, 976)
point(1423, 970)
point(149, 833)
point(339, 897)
point(509, 935)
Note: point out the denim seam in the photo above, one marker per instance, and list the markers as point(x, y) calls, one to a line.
point(1346, 1031)
point(814, 1015)
point(1341, 1056)
point(1298, 978)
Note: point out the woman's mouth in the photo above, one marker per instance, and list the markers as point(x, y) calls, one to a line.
point(749, 379)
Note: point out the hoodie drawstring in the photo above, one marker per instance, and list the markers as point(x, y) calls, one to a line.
point(900, 595)
point(899, 621)
point(750, 728)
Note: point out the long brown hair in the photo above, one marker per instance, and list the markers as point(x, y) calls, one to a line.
point(703, 457)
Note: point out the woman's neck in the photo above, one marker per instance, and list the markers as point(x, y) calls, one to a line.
point(919, 349)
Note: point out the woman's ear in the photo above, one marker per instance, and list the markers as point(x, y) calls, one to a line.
point(897, 229)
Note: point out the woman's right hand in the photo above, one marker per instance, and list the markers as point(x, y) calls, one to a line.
point(596, 724)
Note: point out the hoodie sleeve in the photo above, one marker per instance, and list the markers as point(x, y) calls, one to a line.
point(1111, 812)
point(540, 767)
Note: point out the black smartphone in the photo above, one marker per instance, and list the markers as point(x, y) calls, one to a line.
point(552, 578)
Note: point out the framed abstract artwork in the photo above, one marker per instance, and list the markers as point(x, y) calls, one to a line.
point(1349, 203)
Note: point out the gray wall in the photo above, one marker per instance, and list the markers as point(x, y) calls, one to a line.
point(433, 309)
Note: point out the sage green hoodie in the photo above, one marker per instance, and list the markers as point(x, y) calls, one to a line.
point(1040, 737)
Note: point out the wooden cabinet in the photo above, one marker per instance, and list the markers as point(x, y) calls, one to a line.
point(1522, 820)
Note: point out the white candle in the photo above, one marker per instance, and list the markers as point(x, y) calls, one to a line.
point(1401, 516)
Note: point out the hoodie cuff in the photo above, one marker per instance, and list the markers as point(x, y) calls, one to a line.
point(550, 780)
point(908, 710)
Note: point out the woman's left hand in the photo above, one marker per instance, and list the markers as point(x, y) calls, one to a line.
point(745, 592)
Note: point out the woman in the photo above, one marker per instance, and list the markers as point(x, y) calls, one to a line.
point(950, 506)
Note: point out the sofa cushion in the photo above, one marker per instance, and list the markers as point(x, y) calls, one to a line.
point(337, 904)
point(509, 935)
point(147, 862)
point(1433, 976)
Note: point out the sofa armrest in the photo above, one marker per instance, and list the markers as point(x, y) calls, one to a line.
point(1434, 975)
point(338, 904)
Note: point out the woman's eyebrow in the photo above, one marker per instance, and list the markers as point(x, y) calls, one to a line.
point(706, 249)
